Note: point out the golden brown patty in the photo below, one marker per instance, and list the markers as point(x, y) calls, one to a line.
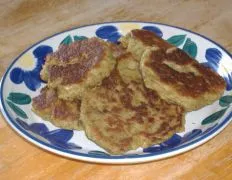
point(127, 66)
point(138, 40)
point(61, 113)
point(123, 115)
point(76, 67)
point(172, 73)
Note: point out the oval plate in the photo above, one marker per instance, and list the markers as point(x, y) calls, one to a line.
point(21, 83)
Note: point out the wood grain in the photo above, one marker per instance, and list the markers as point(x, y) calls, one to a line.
point(24, 22)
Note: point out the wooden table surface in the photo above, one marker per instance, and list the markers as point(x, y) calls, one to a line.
point(24, 22)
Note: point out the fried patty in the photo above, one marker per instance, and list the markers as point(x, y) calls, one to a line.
point(74, 68)
point(127, 66)
point(172, 73)
point(137, 41)
point(122, 114)
point(62, 113)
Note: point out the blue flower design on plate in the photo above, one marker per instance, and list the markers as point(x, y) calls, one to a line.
point(31, 78)
point(58, 137)
point(191, 135)
point(177, 140)
point(213, 57)
point(174, 141)
point(154, 29)
point(109, 33)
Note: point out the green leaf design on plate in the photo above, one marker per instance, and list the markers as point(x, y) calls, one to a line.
point(79, 38)
point(66, 41)
point(225, 101)
point(19, 98)
point(176, 40)
point(17, 110)
point(190, 48)
point(213, 117)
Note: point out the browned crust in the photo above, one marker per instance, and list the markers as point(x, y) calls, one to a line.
point(187, 83)
point(126, 95)
point(149, 38)
point(45, 99)
point(80, 49)
point(79, 58)
point(169, 115)
point(48, 104)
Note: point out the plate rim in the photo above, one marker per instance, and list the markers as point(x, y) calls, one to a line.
point(122, 159)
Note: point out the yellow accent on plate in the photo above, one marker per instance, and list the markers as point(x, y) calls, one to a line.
point(225, 66)
point(127, 27)
point(27, 61)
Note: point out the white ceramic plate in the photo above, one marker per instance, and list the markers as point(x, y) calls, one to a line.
point(21, 82)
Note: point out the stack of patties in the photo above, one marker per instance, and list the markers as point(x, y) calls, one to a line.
point(69, 73)
point(124, 96)
point(172, 73)
point(75, 68)
point(61, 113)
point(122, 114)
